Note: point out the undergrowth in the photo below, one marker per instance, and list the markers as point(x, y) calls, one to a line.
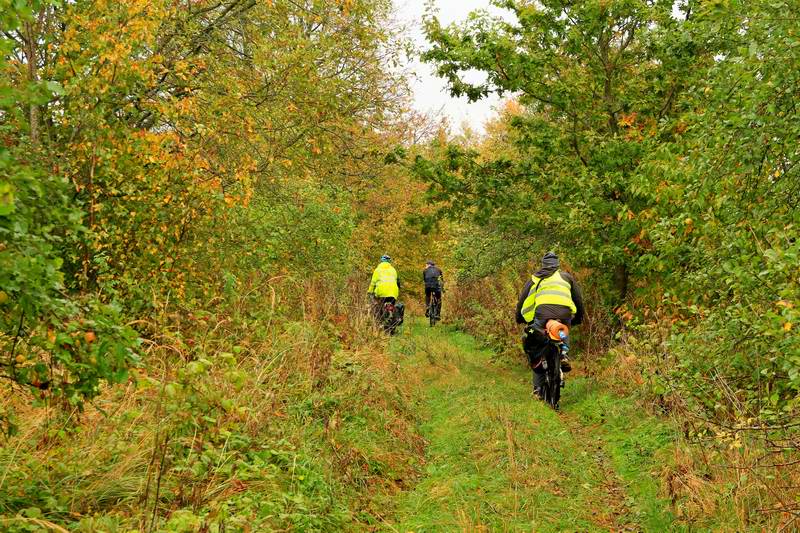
point(240, 420)
point(736, 467)
point(729, 474)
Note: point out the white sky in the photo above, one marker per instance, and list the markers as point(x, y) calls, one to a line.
point(430, 93)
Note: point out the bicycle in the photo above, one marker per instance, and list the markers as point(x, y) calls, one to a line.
point(392, 316)
point(435, 308)
point(388, 313)
point(551, 363)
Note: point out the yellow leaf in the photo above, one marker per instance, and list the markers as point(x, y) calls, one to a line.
point(787, 326)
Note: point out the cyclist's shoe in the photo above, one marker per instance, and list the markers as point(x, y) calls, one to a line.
point(537, 393)
point(565, 365)
point(428, 312)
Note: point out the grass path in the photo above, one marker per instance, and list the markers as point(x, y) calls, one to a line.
point(497, 460)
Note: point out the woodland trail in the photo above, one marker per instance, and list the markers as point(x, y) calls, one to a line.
point(497, 460)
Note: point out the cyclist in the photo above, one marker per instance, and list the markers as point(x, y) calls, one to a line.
point(550, 294)
point(434, 286)
point(385, 286)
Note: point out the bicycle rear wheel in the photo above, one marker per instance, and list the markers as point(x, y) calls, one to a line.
point(434, 309)
point(552, 389)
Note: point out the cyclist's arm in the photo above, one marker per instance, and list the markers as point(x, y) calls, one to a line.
point(577, 297)
point(373, 283)
point(522, 296)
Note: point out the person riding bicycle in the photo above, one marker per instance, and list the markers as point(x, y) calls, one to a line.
point(550, 294)
point(434, 284)
point(385, 286)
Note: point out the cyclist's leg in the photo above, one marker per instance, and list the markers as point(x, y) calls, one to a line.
point(428, 294)
point(386, 315)
point(534, 345)
point(566, 364)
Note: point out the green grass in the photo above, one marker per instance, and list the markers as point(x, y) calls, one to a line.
point(632, 440)
point(498, 460)
point(436, 436)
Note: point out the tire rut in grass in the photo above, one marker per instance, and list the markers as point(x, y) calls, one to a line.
point(497, 459)
point(613, 510)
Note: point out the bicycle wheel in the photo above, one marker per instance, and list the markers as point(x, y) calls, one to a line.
point(552, 390)
point(388, 319)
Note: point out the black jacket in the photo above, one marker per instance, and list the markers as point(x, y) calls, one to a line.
point(433, 277)
point(551, 311)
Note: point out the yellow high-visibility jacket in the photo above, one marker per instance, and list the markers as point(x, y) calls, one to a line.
point(552, 290)
point(384, 281)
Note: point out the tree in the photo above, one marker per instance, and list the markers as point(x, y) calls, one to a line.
point(600, 90)
point(657, 145)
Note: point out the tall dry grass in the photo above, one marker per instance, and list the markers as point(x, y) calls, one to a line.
point(731, 467)
point(297, 368)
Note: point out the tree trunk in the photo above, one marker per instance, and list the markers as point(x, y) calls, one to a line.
point(33, 77)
